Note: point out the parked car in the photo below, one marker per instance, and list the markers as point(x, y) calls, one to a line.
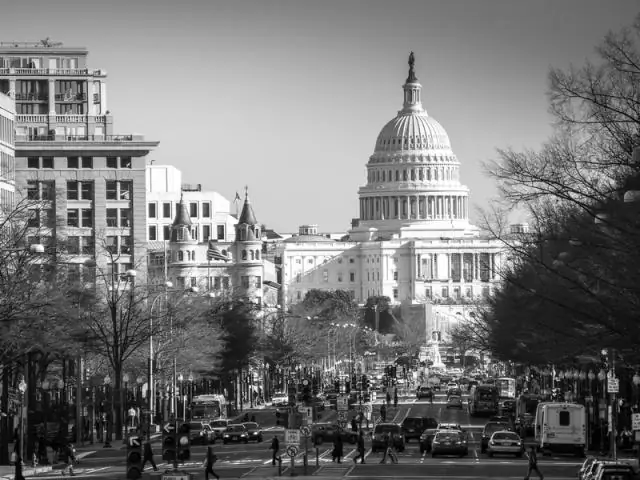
point(424, 392)
point(380, 432)
point(454, 401)
point(505, 442)
point(413, 428)
point(219, 426)
point(254, 431)
point(449, 442)
point(619, 470)
point(488, 430)
point(235, 433)
point(201, 432)
point(426, 438)
point(328, 432)
point(585, 469)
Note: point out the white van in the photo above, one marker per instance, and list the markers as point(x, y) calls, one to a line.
point(561, 427)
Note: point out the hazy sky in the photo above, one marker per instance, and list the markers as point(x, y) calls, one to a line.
point(288, 97)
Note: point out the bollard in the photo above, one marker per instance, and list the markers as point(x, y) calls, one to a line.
point(292, 464)
point(317, 457)
point(279, 466)
point(305, 463)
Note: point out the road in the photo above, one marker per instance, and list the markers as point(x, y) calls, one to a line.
point(253, 460)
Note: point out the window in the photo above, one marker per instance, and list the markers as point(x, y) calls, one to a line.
point(112, 162)
point(564, 418)
point(325, 276)
point(206, 210)
point(257, 254)
point(152, 210)
point(47, 162)
point(88, 245)
point(125, 162)
point(87, 217)
point(125, 217)
point(72, 217)
point(484, 267)
point(194, 281)
point(468, 292)
point(352, 260)
point(33, 162)
point(73, 245)
point(126, 190)
point(298, 261)
point(245, 281)
point(216, 283)
point(166, 210)
point(194, 232)
point(110, 244)
point(456, 292)
point(427, 292)
point(166, 234)
point(486, 292)
point(445, 292)
point(126, 244)
point(34, 218)
point(87, 162)
point(73, 162)
point(340, 277)
point(112, 190)
point(298, 277)
point(206, 232)
point(86, 190)
point(193, 209)
point(225, 283)
point(220, 232)
point(258, 280)
point(395, 276)
point(253, 255)
point(112, 217)
point(244, 254)
point(395, 293)
point(352, 277)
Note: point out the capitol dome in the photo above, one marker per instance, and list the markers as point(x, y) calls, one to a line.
point(412, 131)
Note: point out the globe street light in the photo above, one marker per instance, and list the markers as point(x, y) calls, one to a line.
point(22, 388)
point(106, 420)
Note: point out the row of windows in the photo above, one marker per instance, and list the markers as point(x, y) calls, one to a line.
point(413, 174)
point(311, 260)
point(7, 166)
point(38, 62)
point(165, 230)
point(215, 283)
point(78, 162)
point(83, 217)
point(457, 292)
point(325, 276)
point(7, 130)
point(6, 200)
point(193, 210)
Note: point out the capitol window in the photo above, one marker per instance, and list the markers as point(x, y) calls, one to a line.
point(298, 261)
point(352, 260)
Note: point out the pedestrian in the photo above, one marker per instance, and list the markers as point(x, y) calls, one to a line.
point(533, 464)
point(385, 450)
point(275, 446)
point(354, 424)
point(69, 459)
point(360, 447)
point(245, 418)
point(148, 456)
point(209, 460)
point(383, 412)
point(390, 446)
point(395, 398)
point(338, 449)
point(43, 458)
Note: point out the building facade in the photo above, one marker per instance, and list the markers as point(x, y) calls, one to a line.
point(87, 183)
point(412, 241)
point(7, 153)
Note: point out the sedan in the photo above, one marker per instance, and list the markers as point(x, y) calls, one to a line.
point(328, 432)
point(235, 433)
point(449, 442)
point(505, 442)
point(454, 401)
point(426, 438)
point(253, 430)
point(489, 429)
point(424, 392)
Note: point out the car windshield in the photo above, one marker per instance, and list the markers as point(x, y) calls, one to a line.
point(440, 436)
point(448, 426)
point(494, 427)
point(412, 422)
point(430, 431)
point(387, 429)
point(219, 423)
point(251, 426)
point(424, 389)
point(454, 398)
point(236, 428)
point(505, 436)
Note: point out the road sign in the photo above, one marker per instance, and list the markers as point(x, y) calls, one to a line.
point(292, 437)
point(305, 431)
point(134, 441)
point(342, 416)
point(342, 423)
point(635, 421)
point(292, 450)
point(343, 403)
point(613, 385)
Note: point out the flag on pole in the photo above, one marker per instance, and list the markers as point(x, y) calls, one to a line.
point(214, 253)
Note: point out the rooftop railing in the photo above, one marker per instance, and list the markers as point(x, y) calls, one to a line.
point(79, 138)
point(51, 71)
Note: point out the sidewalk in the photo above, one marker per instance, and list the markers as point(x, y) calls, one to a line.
point(7, 472)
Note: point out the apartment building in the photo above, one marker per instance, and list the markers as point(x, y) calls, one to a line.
point(7, 153)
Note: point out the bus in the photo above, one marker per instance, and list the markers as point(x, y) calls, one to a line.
point(507, 393)
point(483, 400)
point(208, 407)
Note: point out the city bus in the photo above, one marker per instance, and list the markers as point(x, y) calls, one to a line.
point(506, 393)
point(208, 407)
point(483, 400)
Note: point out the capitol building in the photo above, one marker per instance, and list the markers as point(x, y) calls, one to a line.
point(412, 240)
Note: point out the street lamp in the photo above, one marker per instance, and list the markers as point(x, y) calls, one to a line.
point(190, 392)
point(22, 388)
point(180, 380)
point(123, 401)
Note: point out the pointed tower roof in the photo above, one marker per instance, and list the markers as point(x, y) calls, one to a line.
point(182, 214)
point(247, 216)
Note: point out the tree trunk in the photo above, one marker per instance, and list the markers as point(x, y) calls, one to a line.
point(117, 400)
point(4, 420)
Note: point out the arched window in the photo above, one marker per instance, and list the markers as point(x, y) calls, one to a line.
point(413, 174)
point(257, 254)
point(243, 234)
point(252, 255)
point(180, 256)
point(244, 254)
point(193, 255)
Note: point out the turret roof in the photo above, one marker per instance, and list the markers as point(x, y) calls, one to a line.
point(182, 214)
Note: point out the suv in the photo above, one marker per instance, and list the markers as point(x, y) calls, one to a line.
point(413, 428)
point(424, 392)
point(219, 426)
point(201, 432)
point(379, 441)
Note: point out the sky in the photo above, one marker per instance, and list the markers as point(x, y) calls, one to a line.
point(287, 97)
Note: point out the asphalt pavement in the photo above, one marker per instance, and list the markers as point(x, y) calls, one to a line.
point(253, 460)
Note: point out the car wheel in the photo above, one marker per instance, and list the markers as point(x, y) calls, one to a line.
point(260, 438)
point(519, 454)
point(483, 450)
point(421, 450)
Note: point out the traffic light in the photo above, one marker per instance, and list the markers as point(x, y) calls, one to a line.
point(134, 457)
point(184, 442)
point(365, 382)
point(306, 390)
point(169, 442)
point(354, 381)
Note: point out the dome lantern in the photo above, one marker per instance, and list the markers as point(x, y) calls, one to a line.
point(412, 90)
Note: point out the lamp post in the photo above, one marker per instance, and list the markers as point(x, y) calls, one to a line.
point(124, 410)
point(22, 388)
point(636, 385)
point(602, 376)
point(180, 380)
point(190, 395)
point(106, 422)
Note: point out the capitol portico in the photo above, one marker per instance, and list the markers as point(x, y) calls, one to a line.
point(412, 240)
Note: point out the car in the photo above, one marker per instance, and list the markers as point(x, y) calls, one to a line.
point(426, 438)
point(614, 470)
point(586, 467)
point(254, 431)
point(381, 431)
point(454, 401)
point(413, 427)
point(489, 429)
point(328, 432)
point(452, 386)
point(280, 400)
point(201, 432)
point(424, 392)
point(235, 433)
point(505, 441)
point(449, 442)
point(219, 426)
point(449, 426)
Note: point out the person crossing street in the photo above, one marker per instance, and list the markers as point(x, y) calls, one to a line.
point(148, 456)
point(533, 464)
point(360, 449)
point(275, 446)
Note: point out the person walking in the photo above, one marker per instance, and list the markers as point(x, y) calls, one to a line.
point(69, 459)
point(338, 449)
point(148, 456)
point(385, 451)
point(209, 460)
point(360, 447)
point(390, 446)
point(275, 446)
point(533, 464)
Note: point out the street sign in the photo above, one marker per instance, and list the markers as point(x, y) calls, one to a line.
point(305, 431)
point(343, 402)
point(635, 421)
point(367, 408)
point(134, 441)
point(169, 428)
point(292, 450)
point(342, 423)
point(292, 437)
point(342, 416)
point(613, 385)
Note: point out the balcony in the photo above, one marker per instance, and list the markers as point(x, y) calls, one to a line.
point(71, 97)
point(67, 72)
point(79, 138)
point(61, 118)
